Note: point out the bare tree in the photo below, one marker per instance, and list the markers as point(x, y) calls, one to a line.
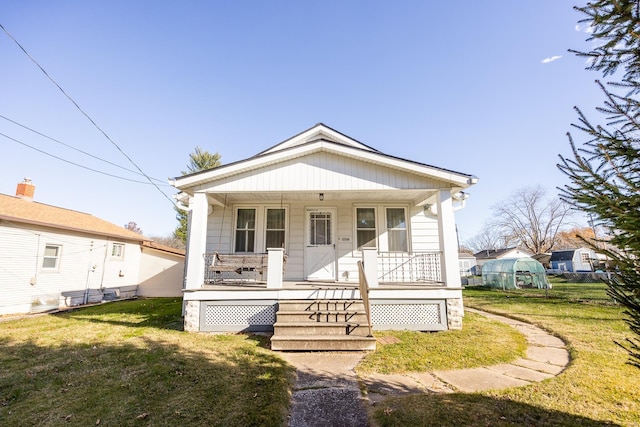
point(530, 219)
point(489, 238)
point(132, 226)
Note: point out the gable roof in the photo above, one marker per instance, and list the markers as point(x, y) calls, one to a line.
point(322, 138)
point(16, 210)
point(315, 133)
point(497, 253)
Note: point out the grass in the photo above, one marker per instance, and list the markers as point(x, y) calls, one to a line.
point(598, 387)
point(481, 342)
point(128, 364)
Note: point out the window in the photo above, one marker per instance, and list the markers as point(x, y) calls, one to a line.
point(51, 257)
point(365, 228)
point(584, 256)
point(397, 230)
point(320, 228)
point(275, 231)
point(117, 250)
point(245, 230)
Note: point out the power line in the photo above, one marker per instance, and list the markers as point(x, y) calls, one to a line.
point(84, 114)
point(74, 148)
point(76, 164)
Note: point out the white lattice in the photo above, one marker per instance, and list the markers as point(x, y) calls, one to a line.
point(240, 315)
point(399, 314)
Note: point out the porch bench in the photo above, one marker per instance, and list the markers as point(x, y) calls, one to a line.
point(237, 263)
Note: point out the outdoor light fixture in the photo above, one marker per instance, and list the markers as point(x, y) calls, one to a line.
point(321, 196)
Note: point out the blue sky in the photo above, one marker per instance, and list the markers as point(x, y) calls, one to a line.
point(459, 85)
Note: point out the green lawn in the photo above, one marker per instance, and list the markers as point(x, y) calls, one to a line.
point(129, 363)
point(598, 387)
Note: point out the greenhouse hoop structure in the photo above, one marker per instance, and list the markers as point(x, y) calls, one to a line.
point(514, 273)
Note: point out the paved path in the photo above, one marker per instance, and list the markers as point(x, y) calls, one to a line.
point(327, 389)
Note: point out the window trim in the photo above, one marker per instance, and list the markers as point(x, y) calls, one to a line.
point(260, 227)
point(236, 210)
point(357, 248)
point(115, 245)
point(47, 257)
point(406, 229)
point(265, 209)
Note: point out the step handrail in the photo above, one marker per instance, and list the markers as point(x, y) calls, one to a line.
point(364, 293)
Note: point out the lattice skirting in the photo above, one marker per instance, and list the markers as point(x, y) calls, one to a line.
point(253, 316)
point(412, 315)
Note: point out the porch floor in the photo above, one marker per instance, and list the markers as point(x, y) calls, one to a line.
point(311, 285)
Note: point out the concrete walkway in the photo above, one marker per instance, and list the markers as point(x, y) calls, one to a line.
point(327, 391)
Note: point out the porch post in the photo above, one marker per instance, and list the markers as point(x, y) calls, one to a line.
point(448, 240)
point(274, 267)
point(198, 207)
point(370, 261)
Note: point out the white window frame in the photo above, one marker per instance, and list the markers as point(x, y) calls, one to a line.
point(117, 250)
point(264, 230)
point(260, 226)
point(57, 257)
point(236, 210)
point(406, 228)
point(356, 228)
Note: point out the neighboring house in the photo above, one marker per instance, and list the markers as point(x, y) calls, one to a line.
point(318, 203)
point(468, 265)
point(53, 257)
point(573, 260)
point(491, 254)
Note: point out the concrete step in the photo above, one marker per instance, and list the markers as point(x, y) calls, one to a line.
point(322, 343)
point(322, 304)
point(321, 316)
point(320, 328)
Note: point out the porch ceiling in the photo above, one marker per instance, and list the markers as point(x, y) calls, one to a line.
point(417, 197)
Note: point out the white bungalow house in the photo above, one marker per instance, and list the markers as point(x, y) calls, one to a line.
point(275, 242)
point(52, 257)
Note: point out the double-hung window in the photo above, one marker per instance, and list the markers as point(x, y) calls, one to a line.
point(397, 230)
point(51, 258)
point(275, 228)
point(365, 228)
point(245, 230)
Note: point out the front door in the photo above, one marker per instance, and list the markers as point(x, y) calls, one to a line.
point(320, 247)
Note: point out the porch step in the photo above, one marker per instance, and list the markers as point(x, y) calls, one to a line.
point(322, 304)
point(323, 324)
point(322, 343)
point(354, 316)
point(321, 328)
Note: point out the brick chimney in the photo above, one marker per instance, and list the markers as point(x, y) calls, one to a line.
point(26, 189)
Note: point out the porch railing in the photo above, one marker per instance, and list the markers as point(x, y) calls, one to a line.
point(364, 294)
point(395, 267)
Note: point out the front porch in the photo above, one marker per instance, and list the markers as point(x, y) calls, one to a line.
point(403, 293)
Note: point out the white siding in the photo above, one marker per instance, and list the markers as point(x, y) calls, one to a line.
point(161, 274)
point(326, 172)
point(84, 264)
point(423, 229)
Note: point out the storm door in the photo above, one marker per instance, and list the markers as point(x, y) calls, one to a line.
point(320, 247)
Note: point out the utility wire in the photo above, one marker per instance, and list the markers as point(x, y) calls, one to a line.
point(73, 148)
point(76, 164)
point(84, 114)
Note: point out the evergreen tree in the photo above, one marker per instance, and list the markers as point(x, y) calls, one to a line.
point(199, 161)
point(604, 171)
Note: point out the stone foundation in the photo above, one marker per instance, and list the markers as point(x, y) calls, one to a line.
point(455, 313)
point(192, 316)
